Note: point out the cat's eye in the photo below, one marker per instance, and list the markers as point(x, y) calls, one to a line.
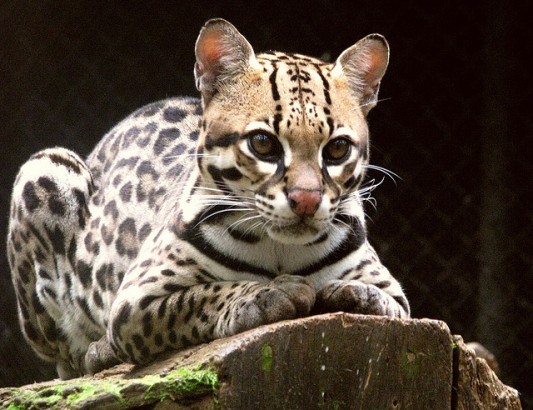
point(337, 150)
point(264, 146)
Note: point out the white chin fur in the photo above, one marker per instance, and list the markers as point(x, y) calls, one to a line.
point(294, 234)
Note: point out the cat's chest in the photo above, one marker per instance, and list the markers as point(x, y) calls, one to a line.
point(268, 258)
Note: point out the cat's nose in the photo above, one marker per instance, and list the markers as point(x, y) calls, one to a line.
point(304, 202)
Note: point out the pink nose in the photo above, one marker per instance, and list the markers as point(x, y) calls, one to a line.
point(304, 202)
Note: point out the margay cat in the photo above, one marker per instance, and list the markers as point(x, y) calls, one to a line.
point(194, 220)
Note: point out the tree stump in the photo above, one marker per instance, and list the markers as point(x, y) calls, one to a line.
point(333, 361)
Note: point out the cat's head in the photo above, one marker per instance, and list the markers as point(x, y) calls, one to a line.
point(287, 133)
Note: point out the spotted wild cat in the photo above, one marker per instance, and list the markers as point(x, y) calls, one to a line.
point(197, 219)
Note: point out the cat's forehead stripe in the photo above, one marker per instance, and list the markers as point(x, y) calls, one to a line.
point(301, 82)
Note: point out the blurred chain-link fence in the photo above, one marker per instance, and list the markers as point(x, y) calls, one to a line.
point(455, 227)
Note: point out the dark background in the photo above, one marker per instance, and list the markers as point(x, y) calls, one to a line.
point(455, 124)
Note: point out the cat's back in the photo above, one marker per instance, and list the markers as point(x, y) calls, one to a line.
point(151, 146)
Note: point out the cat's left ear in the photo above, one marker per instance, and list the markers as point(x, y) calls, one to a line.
point(222, 53)
point(364, 65)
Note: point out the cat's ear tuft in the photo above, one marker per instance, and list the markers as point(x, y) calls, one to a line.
point(221, 54)
point(364, 65)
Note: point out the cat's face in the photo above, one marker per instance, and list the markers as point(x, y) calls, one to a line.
point(286, 136)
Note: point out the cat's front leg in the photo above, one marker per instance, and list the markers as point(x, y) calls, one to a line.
point(160, 310)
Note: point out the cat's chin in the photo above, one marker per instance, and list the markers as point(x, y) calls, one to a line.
point(297, 234)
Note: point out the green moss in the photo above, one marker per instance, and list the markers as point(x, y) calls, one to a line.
point(90, 390)
point(178, 384)
point(267, 357)
point(411, 364)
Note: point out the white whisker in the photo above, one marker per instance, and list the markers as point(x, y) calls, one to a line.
point(343, 223)
point(242, 220)
point(218, 200)
point(392, 175)
point(234, 209)
point(377, 101)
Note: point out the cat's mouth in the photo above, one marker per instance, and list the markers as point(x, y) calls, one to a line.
point(301, 232)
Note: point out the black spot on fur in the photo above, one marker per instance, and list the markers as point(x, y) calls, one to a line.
point(85, 274)
point(168, 272)
point(48, 185)
point(125, 192)
point(121, 318)
point(383, 284)
point(174, 154)
point(165, 138)
point(147, 300)
point(174, 114)
point(138, 341)
point(172, 338)
point(162, 309)
point(107, 235)
point(110, 209)
point(57, 238)
point(104, 276)
point(126, 243)
point(147, 324)
point(62, 161)
point(129, 136)
point(97, 299)
point(37, 305)
point(129, 163)
point(82, 303)
point(363, 263)
point(144, 232)
point(129, 351)
point(171, 321)
point(44, 274)
point(57, 207)
point(83, 209)
point(25, 271)
point(172, 288)
point(31, 200)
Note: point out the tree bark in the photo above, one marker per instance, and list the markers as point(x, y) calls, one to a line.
point(333, 361)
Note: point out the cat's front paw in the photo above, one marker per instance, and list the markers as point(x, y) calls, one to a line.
point(286, 297)
point(352, 297)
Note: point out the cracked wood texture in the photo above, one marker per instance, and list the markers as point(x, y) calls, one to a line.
point(333, 361)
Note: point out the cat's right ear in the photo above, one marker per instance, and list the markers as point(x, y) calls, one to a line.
point(221, 54)
point(364, 65)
